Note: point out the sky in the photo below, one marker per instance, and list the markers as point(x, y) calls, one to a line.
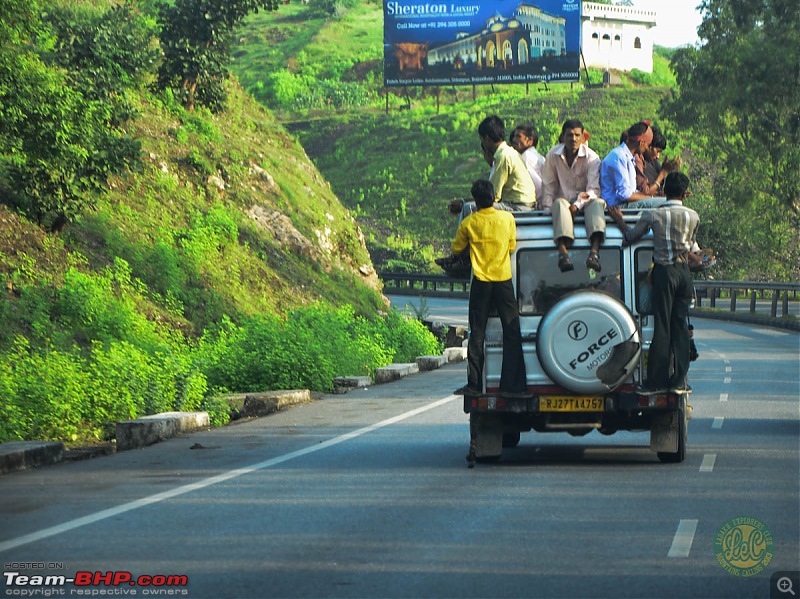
point(676, 21)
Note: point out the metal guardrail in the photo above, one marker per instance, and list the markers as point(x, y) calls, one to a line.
point(776, 293)
point(398, 283)
point(776, 296)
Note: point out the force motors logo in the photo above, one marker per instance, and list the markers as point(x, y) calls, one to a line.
point(595, 348)
point(577, 330)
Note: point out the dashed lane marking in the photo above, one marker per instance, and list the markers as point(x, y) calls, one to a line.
point(718, 421)
point(708, 462)
point(684, 537)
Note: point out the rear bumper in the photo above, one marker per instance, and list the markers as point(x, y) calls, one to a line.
point(620, 401)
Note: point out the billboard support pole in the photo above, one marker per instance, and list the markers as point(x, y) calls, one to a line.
point(585, 68)
point(386, 89)
point(474, 92)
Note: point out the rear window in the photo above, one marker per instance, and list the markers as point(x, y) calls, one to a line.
point(643, 260)
point(540, 284)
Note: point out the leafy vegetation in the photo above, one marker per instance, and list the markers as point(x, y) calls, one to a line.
point(737, 98)
point(209, 256)
point(195, 38)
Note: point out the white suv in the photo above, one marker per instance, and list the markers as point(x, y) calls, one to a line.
point(585, 339)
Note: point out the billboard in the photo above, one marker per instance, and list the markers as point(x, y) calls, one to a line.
point(469, 42)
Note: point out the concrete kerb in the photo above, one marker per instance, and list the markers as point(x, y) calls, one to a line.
point(141, 432)
point(22, 455)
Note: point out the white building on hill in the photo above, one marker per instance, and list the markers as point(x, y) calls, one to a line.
point(617, 37)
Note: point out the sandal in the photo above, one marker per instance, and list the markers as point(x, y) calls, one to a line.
point(593, 262)
point(564, 263)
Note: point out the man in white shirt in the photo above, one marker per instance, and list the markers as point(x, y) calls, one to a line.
point(524, 140)
point(570, 185)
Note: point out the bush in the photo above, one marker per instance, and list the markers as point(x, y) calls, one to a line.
point(308, 349)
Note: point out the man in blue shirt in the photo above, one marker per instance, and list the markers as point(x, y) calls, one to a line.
point(618, 171)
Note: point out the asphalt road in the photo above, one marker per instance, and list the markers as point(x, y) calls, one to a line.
point(368, 495)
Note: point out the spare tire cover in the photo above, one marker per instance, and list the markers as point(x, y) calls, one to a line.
point(580, 333)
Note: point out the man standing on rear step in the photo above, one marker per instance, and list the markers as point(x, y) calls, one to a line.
point(571, 185)
point(491, 236)
point(674, 229)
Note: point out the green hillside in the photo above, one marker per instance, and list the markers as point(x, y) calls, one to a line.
point(219, 260)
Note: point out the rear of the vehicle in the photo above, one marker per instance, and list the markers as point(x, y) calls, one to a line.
point(586, 339)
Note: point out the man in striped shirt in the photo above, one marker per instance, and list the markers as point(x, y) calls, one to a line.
point(674, 228)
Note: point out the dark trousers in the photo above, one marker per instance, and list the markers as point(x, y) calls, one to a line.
point(499, 295)
point(672, 295)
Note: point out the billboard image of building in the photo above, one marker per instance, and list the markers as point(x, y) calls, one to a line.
point(497, 41)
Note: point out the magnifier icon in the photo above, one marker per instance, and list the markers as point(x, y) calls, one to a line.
point(784, 585)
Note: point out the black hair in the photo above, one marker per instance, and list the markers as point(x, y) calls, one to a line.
point(675, 185)
point(659, 141)
point(571, 124)
point(493, 128)
point(528, 131)
point(483, 193)
point(637, 129)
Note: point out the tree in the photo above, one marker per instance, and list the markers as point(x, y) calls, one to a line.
point(738, 92)
point(56, 147)
point(106, 53)
point(195, 39)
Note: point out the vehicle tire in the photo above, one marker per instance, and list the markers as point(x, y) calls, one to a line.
point(588, 342)
point(668, 457)
point(511, 440)
point(580, 432)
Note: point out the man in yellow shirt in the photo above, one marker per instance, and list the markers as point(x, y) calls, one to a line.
point(491, 236)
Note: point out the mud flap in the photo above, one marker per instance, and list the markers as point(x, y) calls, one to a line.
point(486, 436)
point(619, 364)
point(664, 432)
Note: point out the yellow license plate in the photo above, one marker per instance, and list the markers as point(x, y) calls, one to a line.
point(571, 403)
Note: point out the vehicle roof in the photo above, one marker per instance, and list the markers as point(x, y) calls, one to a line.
point(536, 225)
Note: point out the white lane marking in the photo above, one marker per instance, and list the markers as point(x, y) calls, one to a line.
point(708, 462)
point(729, 369)
point(723, 397)
point(207, 482)
point(684, 537)
point(717, 424)
point(726, 380)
